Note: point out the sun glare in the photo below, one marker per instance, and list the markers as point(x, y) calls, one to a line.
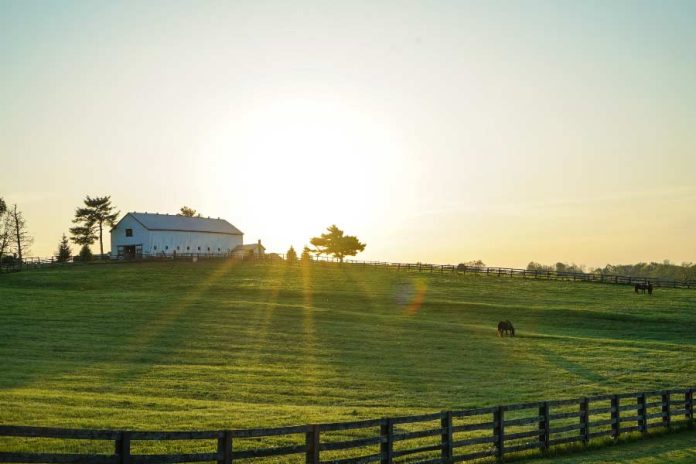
point(313, 162)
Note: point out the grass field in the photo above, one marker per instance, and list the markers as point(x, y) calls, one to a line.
point(222, 345)
point(676, 448)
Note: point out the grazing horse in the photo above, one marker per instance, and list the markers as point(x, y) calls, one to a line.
point(641, 288)
point(505, 327)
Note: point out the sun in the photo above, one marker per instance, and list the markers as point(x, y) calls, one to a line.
point(326, 155)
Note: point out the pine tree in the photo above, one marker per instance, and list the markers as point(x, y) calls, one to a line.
point(85, 253)
point(335, 243)
point(291, 256)
point(306, 256)
point(97, 213)
point(64, 252)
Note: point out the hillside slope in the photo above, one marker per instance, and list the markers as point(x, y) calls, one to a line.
point(223, 345)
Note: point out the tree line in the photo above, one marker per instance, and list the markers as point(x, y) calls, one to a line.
point(665, 270)
point(91, 219)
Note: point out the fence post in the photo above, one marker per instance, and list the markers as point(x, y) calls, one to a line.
point(615, 417)
point(689, 406)
point(585, 420)
point(544, 426)
point(642, 412)
point(123, 448)
point(225, 448)
point(666, 412)
point(446, 437)
point(312, 440)
point(499, 432)
point(386, 432)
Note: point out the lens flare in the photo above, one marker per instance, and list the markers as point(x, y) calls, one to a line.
point(410, 296)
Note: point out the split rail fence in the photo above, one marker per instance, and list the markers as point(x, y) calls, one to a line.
point(37, 263)
point(529, 274)
point(490, 433)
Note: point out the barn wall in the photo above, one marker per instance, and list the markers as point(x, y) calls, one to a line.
point(166, 242)
point(118, 234)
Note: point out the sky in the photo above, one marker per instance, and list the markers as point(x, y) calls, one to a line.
point(435, 131)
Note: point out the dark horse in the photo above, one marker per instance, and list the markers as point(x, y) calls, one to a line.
point(641, 288)
point(505, 327)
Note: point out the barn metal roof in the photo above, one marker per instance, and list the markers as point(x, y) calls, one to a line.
point(185, 224)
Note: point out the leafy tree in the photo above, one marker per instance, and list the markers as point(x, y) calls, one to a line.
point(64, 251)
point(291, 256)
point(19, 238)
point(471, 264)
point(3, 206)
point(188, 212)
point(306, 256)
point(534, 266)
point(96, 213)
point(335, 243)
point(85, 253)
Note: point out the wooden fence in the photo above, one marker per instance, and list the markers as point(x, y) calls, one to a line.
point(527, 274)
point(36, 263)
point(442, 437)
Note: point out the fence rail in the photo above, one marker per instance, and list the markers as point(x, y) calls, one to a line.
point(36, 263)
point(442, 437)
point(525, 273)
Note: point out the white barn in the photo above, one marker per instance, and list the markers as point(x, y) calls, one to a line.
point(146, 234)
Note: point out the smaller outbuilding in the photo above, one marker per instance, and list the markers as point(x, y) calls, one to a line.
point(249, 250)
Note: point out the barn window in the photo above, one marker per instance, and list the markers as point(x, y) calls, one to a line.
point(129, 232)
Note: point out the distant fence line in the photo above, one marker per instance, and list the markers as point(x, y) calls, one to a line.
point(441, 437)
point(531, 274)
point(35, 263)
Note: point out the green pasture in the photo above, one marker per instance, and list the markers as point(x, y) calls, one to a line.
point(219, 345)
point(675, 448)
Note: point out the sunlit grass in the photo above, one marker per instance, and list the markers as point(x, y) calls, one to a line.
point(222, 345)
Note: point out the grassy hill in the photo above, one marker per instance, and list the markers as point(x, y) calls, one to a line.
point(223, 345)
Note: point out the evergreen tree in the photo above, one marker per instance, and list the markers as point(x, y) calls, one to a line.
point(306, 257)
point(64, 252)
point(291, 256)
point(85, 253)
point(83, 235)
point(335, 243)
point(97, 213)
